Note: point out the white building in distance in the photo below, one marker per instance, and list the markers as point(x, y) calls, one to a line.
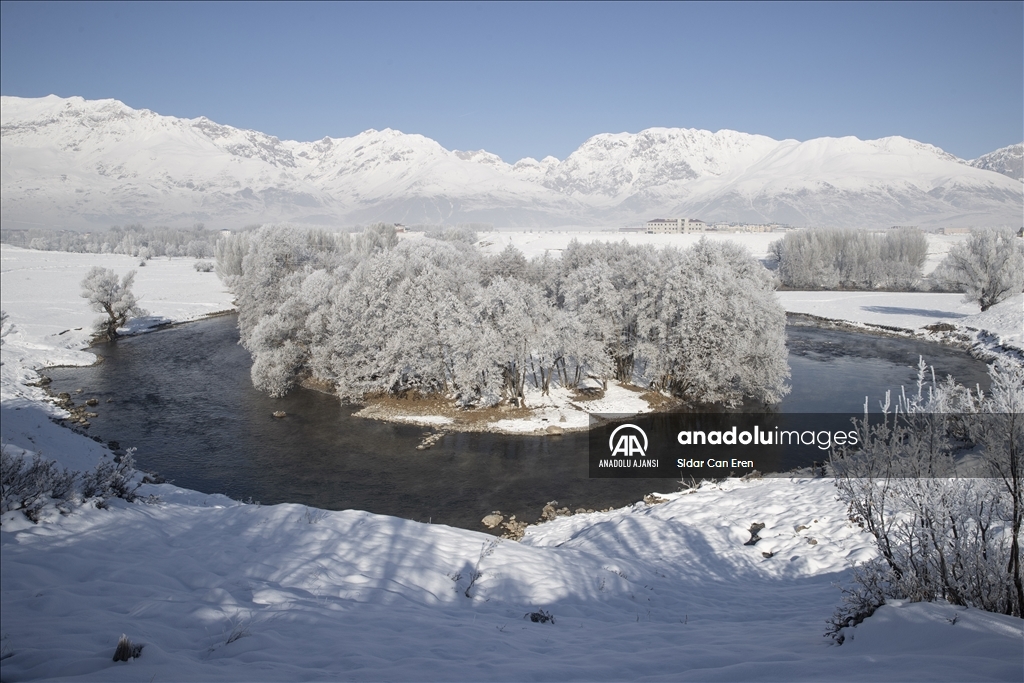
point(675, 226)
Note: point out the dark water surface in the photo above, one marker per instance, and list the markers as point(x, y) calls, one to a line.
point(182, 396)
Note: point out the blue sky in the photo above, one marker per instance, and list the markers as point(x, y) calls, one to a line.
point(533, 79)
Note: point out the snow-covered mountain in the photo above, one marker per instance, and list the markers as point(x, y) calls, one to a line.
point(1007, 160)
point(78, 163)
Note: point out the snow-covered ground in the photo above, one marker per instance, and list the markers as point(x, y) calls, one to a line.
point(219, 590)
point(560, 411)
point(998, 329)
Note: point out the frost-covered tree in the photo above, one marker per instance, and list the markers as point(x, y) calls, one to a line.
point(375, 238)
point(283, 291)
point(720, 332)
point(160, 241)
point(361, 325)
point(452, 234)
point(988, 267)
point(272, 254)
point(107, 294)
point(230, 251)
point(407, 311)
point(516, 320)
point(903, 252)
point(613, 289)
point(508, 264)
point(287, 343)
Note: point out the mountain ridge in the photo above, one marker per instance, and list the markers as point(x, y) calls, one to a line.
point(71, 162)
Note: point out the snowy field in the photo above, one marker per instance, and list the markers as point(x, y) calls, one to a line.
point(219, 590)
point(1001, 325)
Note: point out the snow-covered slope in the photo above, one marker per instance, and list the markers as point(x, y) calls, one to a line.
point(1007, 160)
point(78, 163)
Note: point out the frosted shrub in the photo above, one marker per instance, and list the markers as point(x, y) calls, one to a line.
point(112, 479)
point(29, 485)
point(941, 534)
point(871, 585)
point(203, 266)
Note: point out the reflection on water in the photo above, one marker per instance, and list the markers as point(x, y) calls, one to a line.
point(183, 397)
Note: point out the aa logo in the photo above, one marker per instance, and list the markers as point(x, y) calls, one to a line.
point(628, 443)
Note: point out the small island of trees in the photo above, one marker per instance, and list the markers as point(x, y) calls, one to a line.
point(369, 315)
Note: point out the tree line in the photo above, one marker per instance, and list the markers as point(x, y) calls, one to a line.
point(133, 240)
point(369, 314)
point(846, 258)
point(988, 267)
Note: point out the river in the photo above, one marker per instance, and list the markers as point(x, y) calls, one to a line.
point(182, 396)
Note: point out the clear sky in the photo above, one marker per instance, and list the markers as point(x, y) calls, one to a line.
point(533, 79)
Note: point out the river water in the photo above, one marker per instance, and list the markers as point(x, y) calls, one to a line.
point(183, 398)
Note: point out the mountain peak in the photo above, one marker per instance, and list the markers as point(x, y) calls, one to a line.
point(1007, 160)
point(86, 163)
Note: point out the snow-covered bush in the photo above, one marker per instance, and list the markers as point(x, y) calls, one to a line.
point(32, 484)
point(29, 485)
point(115, 298)
point(871, 585)
point(941, 533)
point(203, 266)
point(831, 258)
point(988, 267)
point(113, 479)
